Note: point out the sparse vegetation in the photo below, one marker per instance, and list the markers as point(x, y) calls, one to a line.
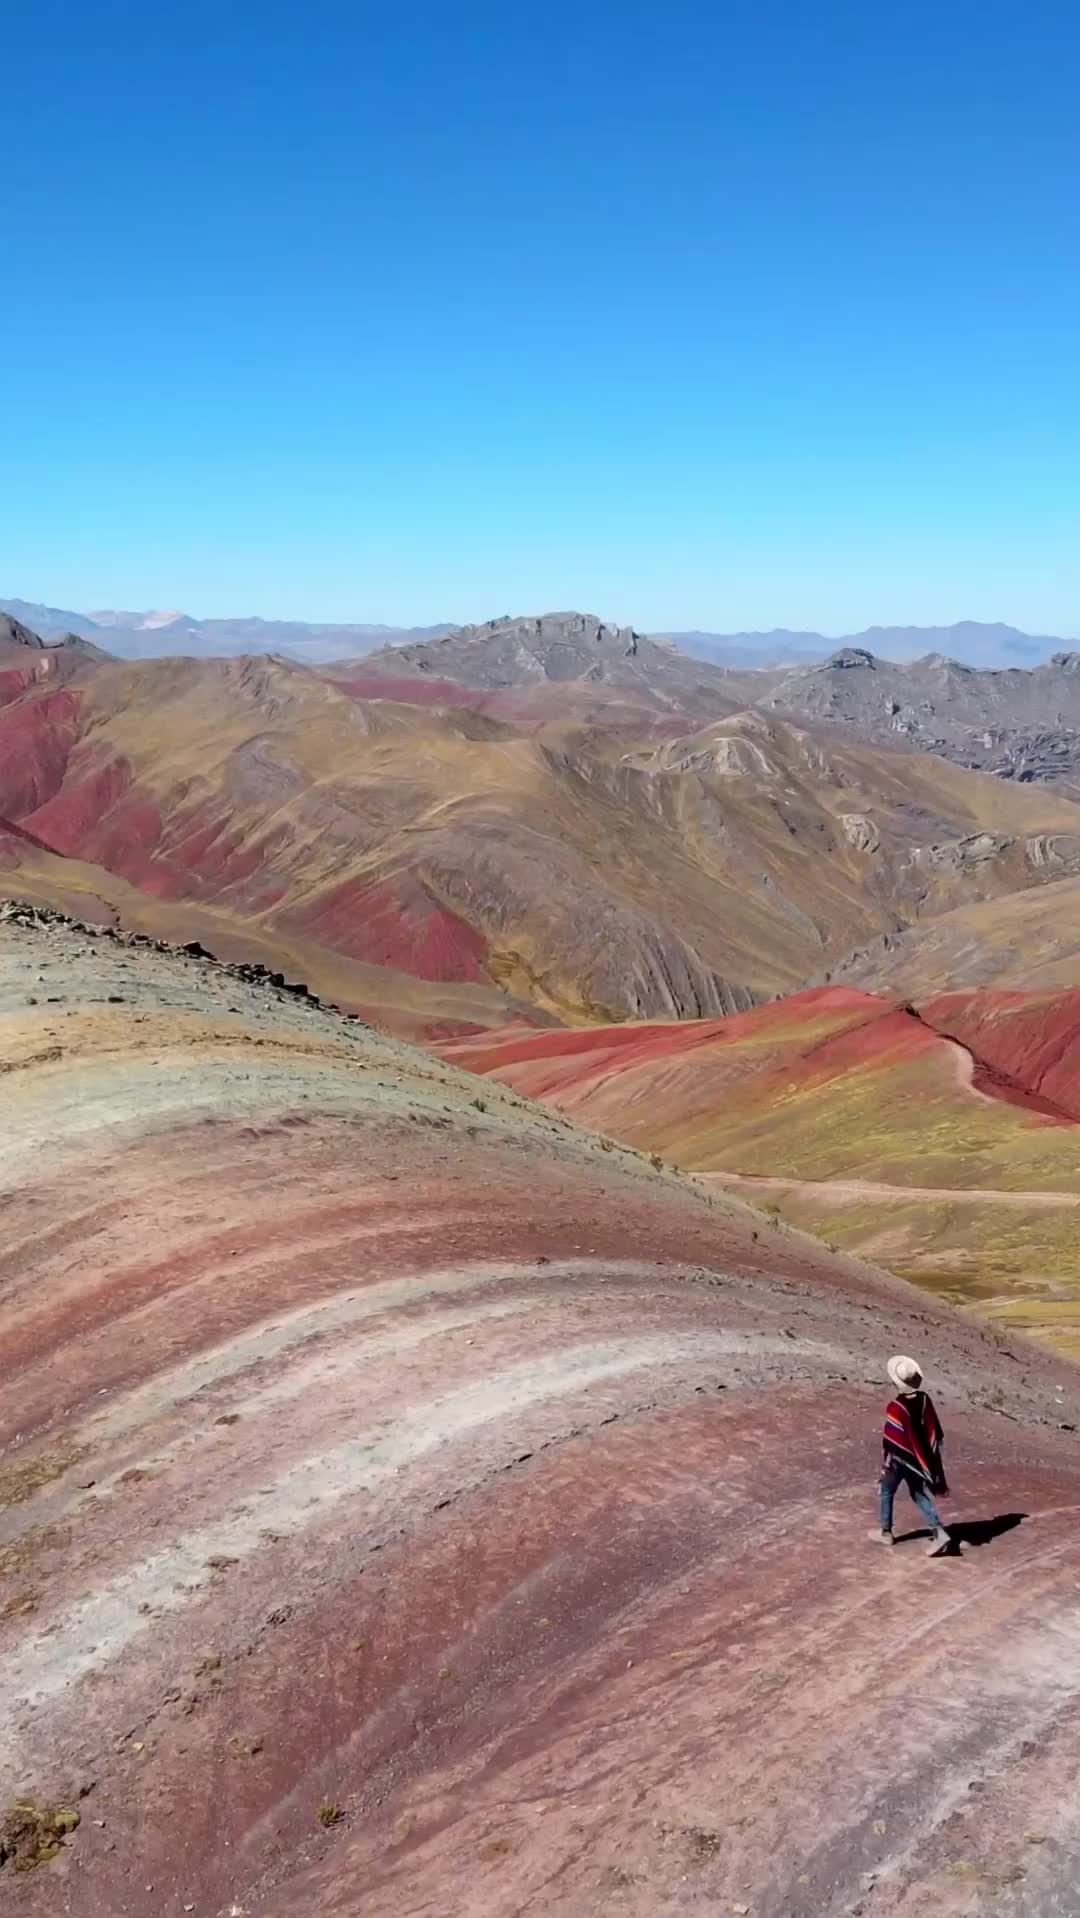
point(704, 1844)
point(329, 1813)
point(32, 1834)
point(21, 1481)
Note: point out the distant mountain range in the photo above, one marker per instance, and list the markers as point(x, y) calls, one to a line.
point(160, 635)
point(972, 641)
point(156, 634)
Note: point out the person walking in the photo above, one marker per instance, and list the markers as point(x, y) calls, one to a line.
point(911, 1445)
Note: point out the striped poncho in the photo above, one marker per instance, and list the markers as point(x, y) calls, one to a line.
point(913, 1437)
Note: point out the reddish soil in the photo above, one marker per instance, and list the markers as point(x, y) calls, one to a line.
point(408, 1504)
point(396, 924)
point(1024, 1048)
point(1027, 1045)
point(37, 734)
point(423, 691)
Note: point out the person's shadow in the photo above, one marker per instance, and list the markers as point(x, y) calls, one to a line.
point(969, 1531)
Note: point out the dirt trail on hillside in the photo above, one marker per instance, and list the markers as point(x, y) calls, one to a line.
point(965, 1072)
point(840, 1189)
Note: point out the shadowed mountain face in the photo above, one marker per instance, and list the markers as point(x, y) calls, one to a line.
point(408, 1504)
point(13, 633)
point(27, 661)
point(580, 847)
point(943, 1139)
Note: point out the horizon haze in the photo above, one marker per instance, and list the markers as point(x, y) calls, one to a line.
point(152, 634)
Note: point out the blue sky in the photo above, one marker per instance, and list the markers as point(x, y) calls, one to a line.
point(691, 315)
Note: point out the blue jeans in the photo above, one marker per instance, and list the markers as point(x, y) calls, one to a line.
point(893, 1476)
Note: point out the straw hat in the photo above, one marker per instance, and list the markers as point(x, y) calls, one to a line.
point(905, 1374)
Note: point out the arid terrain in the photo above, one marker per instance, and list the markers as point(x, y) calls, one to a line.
point(443, 856)
point(402, 1491)
point(1017, 722)
point(942, 1138)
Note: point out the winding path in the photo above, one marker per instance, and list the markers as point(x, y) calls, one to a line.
point(839, 1191)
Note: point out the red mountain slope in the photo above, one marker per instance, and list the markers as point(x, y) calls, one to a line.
point(589, 866)
point(942, 1140)
point(409, 1505)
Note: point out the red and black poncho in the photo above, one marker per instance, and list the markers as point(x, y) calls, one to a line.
point(913, 1437)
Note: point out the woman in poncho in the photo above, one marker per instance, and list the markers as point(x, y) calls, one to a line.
point(911, 1444)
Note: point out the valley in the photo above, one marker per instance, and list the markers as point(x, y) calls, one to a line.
point(422, 827)
point(942, 1140)
point(460, 1103)
point(560, 832)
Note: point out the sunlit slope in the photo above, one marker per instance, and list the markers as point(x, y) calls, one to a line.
point(395, 1001)
point(1030, 941)
point(399, 1509)
point(942, 1141)
point(578, 867)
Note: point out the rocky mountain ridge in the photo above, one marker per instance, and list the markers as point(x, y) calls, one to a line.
point(560, 648)
point(1017, 722)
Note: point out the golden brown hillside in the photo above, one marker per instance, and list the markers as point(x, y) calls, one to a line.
point(942, 1140)
point(576, 865)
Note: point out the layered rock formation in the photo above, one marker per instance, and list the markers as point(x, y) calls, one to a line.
point(617, 861)
point(409, 1504)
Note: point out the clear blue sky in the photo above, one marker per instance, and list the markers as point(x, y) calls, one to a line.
point(689, 314)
